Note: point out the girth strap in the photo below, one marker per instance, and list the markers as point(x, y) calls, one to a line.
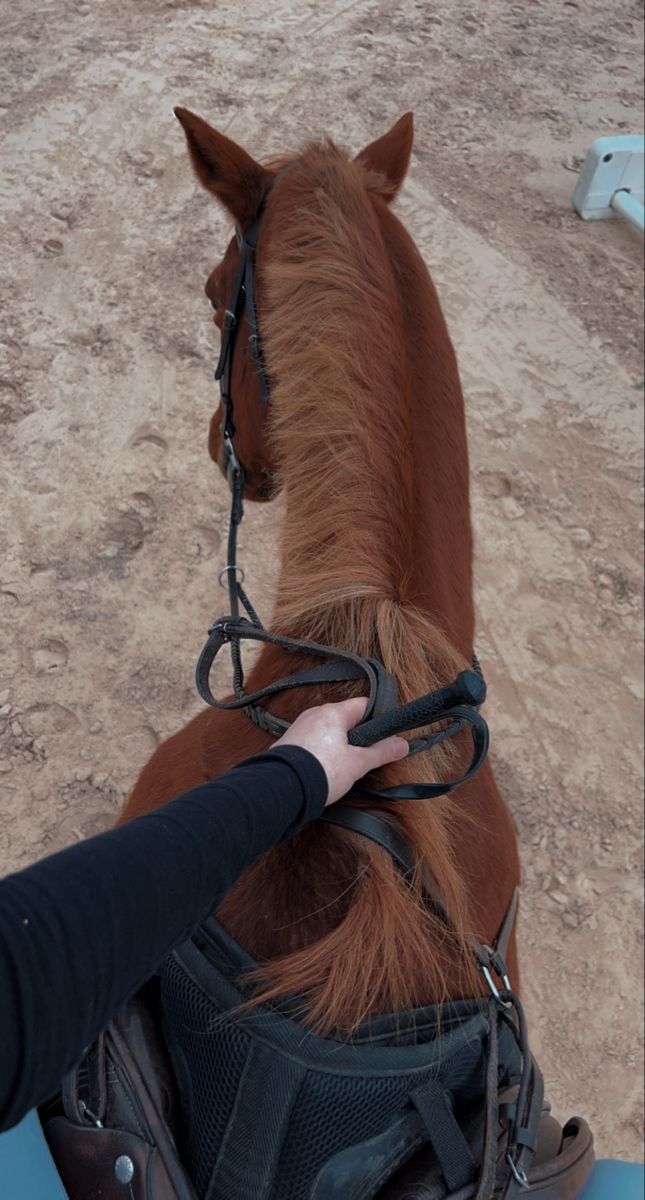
point(524, 1130)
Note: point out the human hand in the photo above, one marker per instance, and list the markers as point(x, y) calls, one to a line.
point(323, 732)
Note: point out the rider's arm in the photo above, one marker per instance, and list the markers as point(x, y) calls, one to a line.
point(82, 930)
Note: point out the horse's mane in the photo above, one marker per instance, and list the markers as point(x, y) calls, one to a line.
point(333, 341)
point(337, 356)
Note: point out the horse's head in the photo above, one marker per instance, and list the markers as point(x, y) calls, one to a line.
point(240, 184)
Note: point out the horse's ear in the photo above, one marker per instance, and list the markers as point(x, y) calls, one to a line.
point(224, 168)
point(389, 156)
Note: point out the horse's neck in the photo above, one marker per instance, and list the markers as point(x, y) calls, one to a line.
point(400, 527)
point(440, 568)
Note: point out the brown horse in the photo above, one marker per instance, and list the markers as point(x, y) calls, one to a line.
point(366, 435)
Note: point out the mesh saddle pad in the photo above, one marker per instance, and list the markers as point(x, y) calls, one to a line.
point(272, 1111)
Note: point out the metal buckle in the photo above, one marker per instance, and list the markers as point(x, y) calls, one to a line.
point(89, 1115)
point(518, 1174)
point(233, 466)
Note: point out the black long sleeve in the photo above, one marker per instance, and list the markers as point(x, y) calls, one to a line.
point(82, 930)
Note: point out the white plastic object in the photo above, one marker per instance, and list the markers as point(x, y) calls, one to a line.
point(612, 181)
point(625, 205)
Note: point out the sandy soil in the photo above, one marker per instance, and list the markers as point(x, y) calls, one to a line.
point(112, 514)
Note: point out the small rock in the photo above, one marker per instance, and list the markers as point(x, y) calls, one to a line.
point(99, 779)
point(64, 211)
point(4, 696)
point(5, 710)
point(559, 898)
point(570, 919)
point(16, 729)
point(96, 727)
point(495, 484)
point(5, 766)
point(511, 508)
point(82, 774)
point(53, 246)
point(580, 536)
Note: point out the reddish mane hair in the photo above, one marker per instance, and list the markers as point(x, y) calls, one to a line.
point(367, 439)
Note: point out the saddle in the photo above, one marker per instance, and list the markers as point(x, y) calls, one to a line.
point(111, 1131)
point(229, 1103)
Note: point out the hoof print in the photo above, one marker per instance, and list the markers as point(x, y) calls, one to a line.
point(147, 435)
point(50, 655)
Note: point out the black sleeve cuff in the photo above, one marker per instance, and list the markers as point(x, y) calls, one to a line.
point(310, 772)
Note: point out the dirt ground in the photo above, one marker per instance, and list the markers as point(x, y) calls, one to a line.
point(112, 515)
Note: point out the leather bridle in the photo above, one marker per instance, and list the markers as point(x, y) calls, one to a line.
point(455, 707)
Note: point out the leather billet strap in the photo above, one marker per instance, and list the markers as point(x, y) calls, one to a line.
point(525, 1114)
